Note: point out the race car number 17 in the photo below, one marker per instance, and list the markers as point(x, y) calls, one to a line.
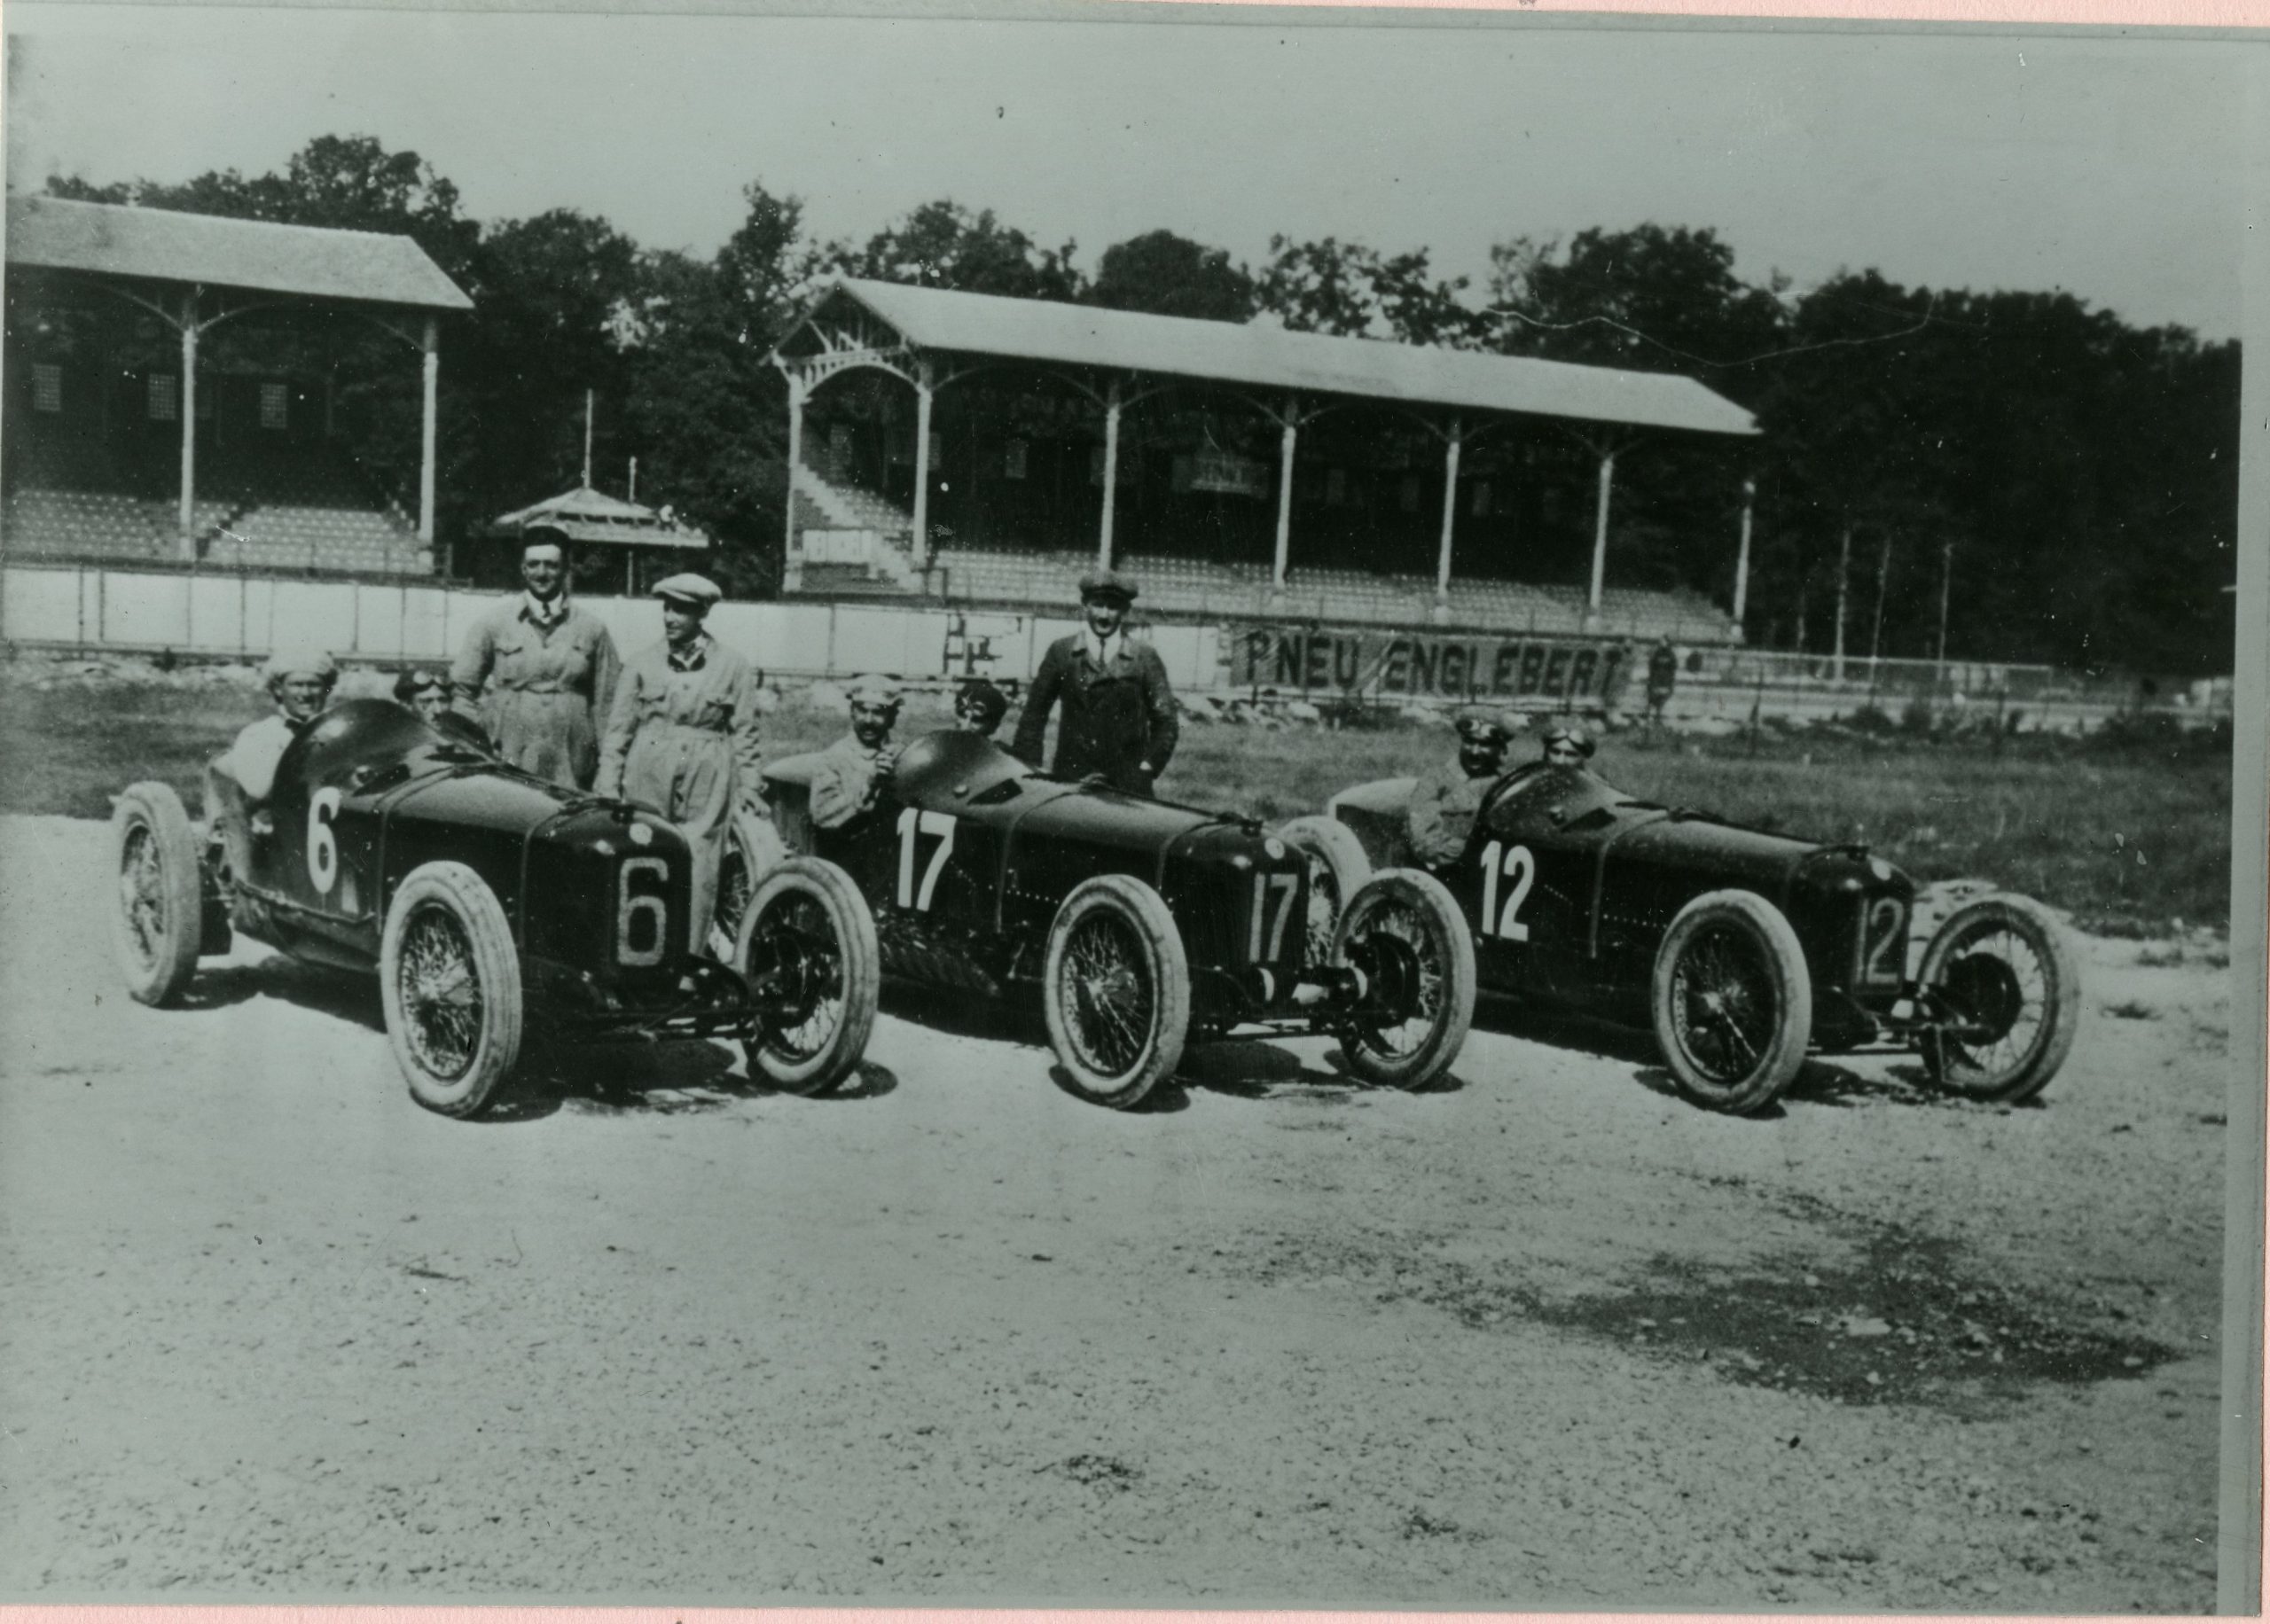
point(912, 826)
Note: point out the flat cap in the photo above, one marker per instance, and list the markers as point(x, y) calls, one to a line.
point(1108, 585)
point(1479, 721)
point(301, 662)
point(876, 692)
point(694, 592)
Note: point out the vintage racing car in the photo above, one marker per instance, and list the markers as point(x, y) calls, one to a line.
point(481, 895)
point(1142, 923)
point(1742, 950)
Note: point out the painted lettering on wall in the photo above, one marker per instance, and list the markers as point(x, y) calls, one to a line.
point(1420, 665)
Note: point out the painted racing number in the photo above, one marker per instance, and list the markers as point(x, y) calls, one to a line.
point(323, 845)
point(1883, 939)
point(913, 826)
point(1518, 865)
point(1268, 918)
point(642, 919)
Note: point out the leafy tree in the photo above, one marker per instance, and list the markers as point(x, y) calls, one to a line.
point(1352, 291)
point(943, 245)
point(1167, 274)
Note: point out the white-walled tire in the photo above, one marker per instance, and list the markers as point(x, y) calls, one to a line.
point(158, 920)
point(1115, 990)
point(1338, 866)
point(449, 979)
point(2002, 969)
point(1732, 1000)
point(1404, 930)
point(807, 943)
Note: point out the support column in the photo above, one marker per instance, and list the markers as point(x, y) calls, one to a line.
point(186, 398)
point(1600, 533)
point(1741, 558)
point(1110, 473)
point(1442, 610)
point(1843, 578)
point(1287, 443)
point(922, 394)
point(431, 345)
point(791, 573)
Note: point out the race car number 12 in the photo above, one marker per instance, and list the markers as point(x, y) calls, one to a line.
point(1518, 865)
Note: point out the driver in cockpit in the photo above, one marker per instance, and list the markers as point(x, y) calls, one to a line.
point(300, 682)
point(1567, 743)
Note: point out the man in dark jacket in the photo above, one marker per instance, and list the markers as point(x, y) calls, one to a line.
point(1119, 718)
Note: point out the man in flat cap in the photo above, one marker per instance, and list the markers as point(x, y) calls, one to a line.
point(1444, 804)
point(849, 780)
point(978, 706)
point(1119, 721)
point(542, 671)
point(681, 735)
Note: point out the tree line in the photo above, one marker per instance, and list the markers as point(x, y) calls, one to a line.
point(2064, 482)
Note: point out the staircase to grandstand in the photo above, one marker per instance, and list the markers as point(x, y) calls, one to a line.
point(302, 511)
point(856, 543)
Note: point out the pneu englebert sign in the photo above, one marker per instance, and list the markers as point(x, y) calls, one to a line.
point(1423, 665)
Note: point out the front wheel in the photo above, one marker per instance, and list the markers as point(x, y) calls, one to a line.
point(449, 979)
point(807, 947)
point(2008, 993)
point(1115, 990)
point(1337, 865)
point(157, 924)
point(753, 849)
point(1404, 931)
point(1732, 1000)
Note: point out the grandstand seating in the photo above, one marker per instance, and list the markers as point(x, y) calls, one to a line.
point(301, 510)
point(1192, 586)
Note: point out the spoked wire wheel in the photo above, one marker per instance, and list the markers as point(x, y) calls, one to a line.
point(450, 977)
point(157, 925)
point(441, 995)
point(1402, 929)
point(1337, 865)
point(1116, 989)
point(2007, 994)
point(807, 947)
point(1733, 1001)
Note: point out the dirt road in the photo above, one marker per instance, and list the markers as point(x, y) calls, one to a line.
point(1549, 1335)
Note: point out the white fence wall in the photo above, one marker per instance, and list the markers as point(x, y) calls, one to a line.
point(90, 606)
point(94, 608)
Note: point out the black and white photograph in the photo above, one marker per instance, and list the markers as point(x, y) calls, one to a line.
point(1100, 805)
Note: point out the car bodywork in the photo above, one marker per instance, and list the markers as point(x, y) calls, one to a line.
point(596, 892)
point(972, 851)
point(1569, 886)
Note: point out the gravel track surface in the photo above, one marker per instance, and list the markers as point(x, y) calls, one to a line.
point(1546, 1335)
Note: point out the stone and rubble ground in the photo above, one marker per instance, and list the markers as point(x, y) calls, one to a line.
point(1545, 1335)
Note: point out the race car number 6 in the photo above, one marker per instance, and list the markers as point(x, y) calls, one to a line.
point(322, 846)
point(1519, 865)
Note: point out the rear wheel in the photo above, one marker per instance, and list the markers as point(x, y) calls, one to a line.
point(1337, 866)
point(1403, 930)
point(1115, 990)
point(807, 947)
point(753, 849)
point(449, 977)
point(1732, 1000)
point(2008, 993)
point(158, 923)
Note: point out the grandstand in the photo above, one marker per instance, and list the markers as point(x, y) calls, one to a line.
point(1243, 473)
point(171, 402)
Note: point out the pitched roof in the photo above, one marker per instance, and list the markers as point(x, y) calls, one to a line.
point(1271, 357)
point(587, 515)
point(168, 245)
